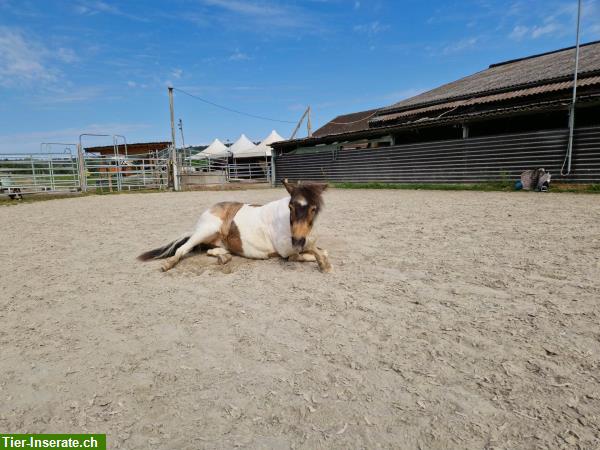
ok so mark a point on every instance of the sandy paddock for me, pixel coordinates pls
(453, 320)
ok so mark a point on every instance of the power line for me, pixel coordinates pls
(231, 109)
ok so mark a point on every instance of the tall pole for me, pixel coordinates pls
(172, 109)
(569, 155)
(300, 123)
(181, 131)
(173, 142)
(180, 126)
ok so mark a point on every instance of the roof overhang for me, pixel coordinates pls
(425, 122)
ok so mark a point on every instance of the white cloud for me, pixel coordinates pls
(19, 8)
(91, 8)
(21, 60)
(593, 31)
(556, 19)
(264, 17)
(177, 73)
(30, 142)
(66, 55)
(371, 28)
(57, 95)
(460, 45)
(239, 56)
(247, 8)
(549, 28)
(135, 84)
(519, 32)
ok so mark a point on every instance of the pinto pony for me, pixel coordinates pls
(278, 229)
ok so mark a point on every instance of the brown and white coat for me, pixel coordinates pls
(280, 228)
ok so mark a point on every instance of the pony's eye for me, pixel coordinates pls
(313, 209)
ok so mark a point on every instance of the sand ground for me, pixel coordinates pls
(453, 320)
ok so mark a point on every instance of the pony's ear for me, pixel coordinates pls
(288, 187)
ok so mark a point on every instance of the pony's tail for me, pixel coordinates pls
(164, 251)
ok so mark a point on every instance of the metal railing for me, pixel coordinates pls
(79, 171)
(38, 172)
(203, 165)
(220, 170)
(255, 171)
(209, 171)
(119, 173)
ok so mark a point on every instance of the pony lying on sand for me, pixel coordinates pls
(278, 229)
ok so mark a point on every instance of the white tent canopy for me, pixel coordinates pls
(243, 148)
(264, 148)
(215, 150)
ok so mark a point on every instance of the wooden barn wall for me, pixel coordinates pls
(491, 158)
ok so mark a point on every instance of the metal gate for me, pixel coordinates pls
(38, 172)
(208, 171)
(126, 172)
(259, 172)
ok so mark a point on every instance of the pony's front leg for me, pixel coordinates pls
(322, 258)
(302, 257)
(313, 253)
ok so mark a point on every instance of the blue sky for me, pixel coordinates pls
(68, 67)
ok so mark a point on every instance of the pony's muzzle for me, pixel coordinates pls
(299, 242)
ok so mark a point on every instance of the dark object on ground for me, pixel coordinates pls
(535, 179)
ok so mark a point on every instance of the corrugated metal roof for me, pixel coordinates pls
(133, 148)
(535, 75)
(537, 69)
(346, 123)
(387, 128)
(545, 88)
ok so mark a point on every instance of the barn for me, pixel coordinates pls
(488, 126)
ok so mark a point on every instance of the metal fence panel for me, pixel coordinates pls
(38, 172)
(206, 171)
(255, 171)
(491, 158)
(220, 171)
(120, 173)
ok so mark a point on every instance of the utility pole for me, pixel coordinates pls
(180, 125)
(308, 125)
(569, 155)
(173, 142)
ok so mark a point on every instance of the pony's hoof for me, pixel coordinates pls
(326, 268)
(165, 267)
(223, 259)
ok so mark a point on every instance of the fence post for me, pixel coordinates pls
(144, 172)
(175, 168)
(81, 169)
(51, 170)
(33, 172)
(273, 179)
